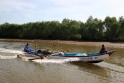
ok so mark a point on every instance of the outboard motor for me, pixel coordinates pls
(39, 51)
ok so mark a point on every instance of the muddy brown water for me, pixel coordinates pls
(14, 70)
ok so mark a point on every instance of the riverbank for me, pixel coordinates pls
(86, 43)
(107, 44)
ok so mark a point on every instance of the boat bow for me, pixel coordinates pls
(110, 52)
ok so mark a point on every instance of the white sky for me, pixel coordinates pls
(24, 11)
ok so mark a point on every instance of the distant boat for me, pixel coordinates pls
(94, 57)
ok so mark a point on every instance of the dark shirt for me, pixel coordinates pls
(103, 50)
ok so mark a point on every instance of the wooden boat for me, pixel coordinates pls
(28, 56)
(90, 57)
(34, 54)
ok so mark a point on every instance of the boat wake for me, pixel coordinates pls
(112, 67)
(10, 51)
(9, 54)
(8, 57)
(56, 60)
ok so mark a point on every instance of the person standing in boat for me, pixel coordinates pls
(103, 49)
(27, 48)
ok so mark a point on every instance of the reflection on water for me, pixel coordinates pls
(92, 68)
(117, 58)
(14, 70)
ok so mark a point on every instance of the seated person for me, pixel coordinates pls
(103, 49)
(27, 48)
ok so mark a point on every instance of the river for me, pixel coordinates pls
(15, 70)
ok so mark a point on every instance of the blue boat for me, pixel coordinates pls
(94, 57)
(90, 57)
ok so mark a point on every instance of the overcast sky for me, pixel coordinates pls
(24, 11)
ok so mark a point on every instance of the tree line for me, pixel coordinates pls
(111, 29)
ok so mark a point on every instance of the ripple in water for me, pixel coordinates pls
(8, 57)
(112, 67)
(10, 51)
(9, 54)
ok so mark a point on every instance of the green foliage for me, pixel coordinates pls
(93, 29)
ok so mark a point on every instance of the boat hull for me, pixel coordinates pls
(89, 58)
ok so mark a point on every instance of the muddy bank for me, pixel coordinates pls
(107, 44)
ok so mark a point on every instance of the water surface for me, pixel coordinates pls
(14, 70)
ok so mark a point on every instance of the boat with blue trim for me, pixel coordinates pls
(94, 57)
